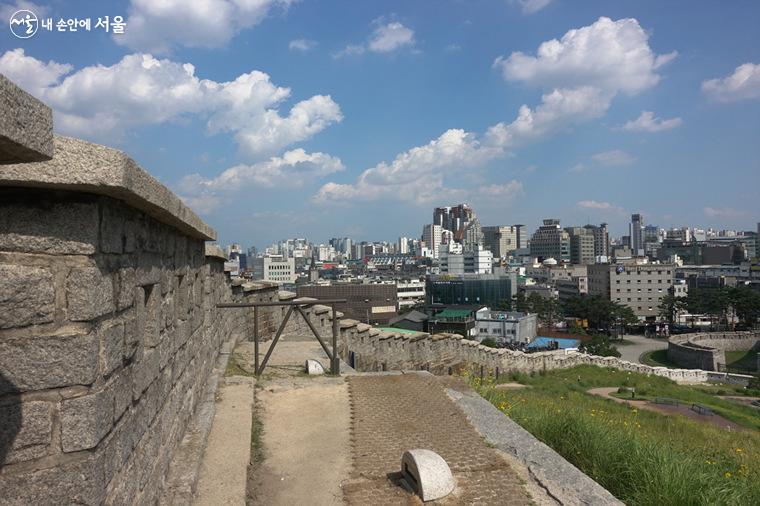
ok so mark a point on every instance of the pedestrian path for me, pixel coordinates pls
(395, 413)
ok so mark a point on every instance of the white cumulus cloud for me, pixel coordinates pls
(611, 55)
(743, 84)
(302, 44)
(647, 122)
(389, 37)
(160, 25)
(102, 102)
(386, 38)
(580, 74)
(613, 158)
(292, 169)
(533, 6)
(599, 206)
(417, 174)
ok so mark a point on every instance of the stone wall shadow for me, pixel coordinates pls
(10, 416)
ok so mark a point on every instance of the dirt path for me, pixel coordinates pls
(223, 477)
(305, 442)
(667, 410)
(306, 424)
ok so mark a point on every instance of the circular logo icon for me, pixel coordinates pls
(24, 24)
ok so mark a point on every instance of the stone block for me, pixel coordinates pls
(89, 293)
(25, 431)
(121, 386)
(78, 481)
(112, 346)
(112, 239)
(148, 268)
(35, 363)
(144, 372)
(150, 315)
(68, 227)
(27, 296)
(86, 420)
(132, 337)
(26, 126)
(125, 296)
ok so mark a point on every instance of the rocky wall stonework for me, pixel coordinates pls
(707, 350)
(108, 331)
(368, 349)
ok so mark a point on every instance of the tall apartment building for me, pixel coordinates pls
(472, 235)
(500, 240)
(521, 236)
(432, 235)
(342, 245)
(601, 239)
(550, 241)
(475, 261)
(403, 245)
(638, 286)
(581, 245)
(453, 217)
(636, 229)
(275, 268)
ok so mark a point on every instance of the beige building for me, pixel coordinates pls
(638, 286)
(275, 268)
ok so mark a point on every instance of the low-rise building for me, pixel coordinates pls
(410, 292)
(505, 326)
(486, 289)
(366, 302)
(640, 286)
(275, 268)
(474, 261)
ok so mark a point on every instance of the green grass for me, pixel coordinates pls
(257, 447)
(742, 359)
(658, 358)
(640, 456)
(235, 369)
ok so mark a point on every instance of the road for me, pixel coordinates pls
(641, 344)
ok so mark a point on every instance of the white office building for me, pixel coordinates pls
(452, 260)
(432, 235)
(276, 268)
(505, 326)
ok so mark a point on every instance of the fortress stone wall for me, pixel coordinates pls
(707, 350)
(367, 348)
(109, 330)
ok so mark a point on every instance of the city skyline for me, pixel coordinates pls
(278, 126)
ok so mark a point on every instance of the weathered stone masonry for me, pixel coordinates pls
(108, 327)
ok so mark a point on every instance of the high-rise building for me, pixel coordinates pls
(454, 218)
(521, 236)
(581, 245)
(637, 234)
(403, 245)
(472, 235)
(432, 236)
(550, 241)
(601, 240)
(500, 240)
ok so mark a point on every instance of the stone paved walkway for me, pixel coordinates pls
(394, 413)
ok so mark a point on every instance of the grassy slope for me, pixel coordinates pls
(742, 359)
(640, 456)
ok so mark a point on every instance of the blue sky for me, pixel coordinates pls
(282, 118)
